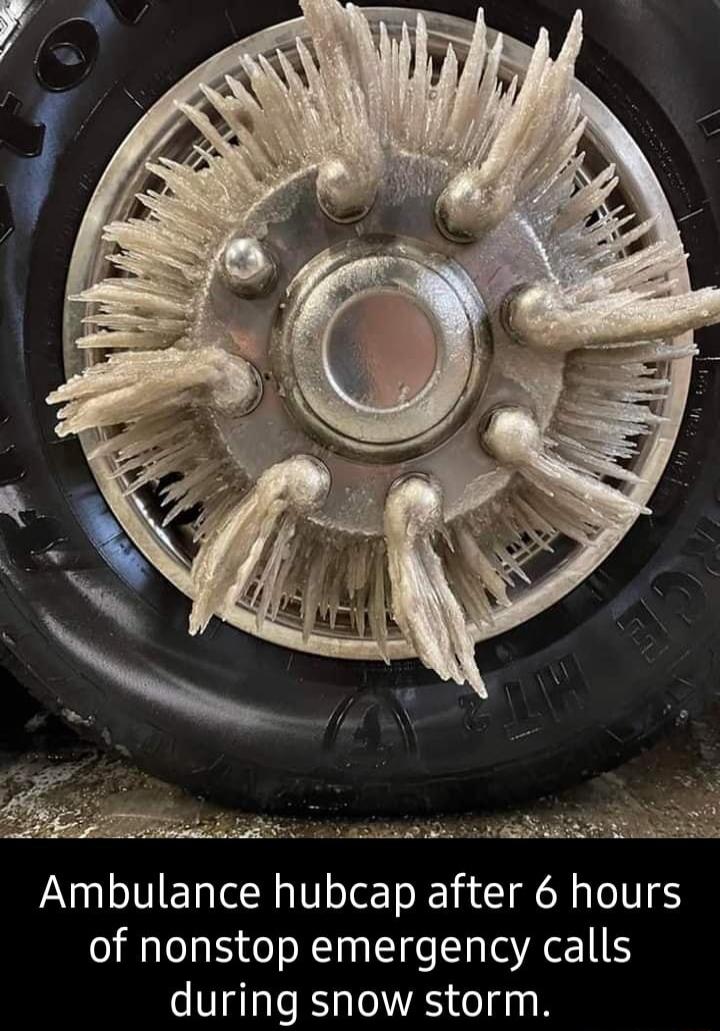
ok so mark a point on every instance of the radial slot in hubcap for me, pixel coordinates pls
(394, 335)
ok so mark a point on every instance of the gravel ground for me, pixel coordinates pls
(53, 785)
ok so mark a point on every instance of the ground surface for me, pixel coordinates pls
(54, 785)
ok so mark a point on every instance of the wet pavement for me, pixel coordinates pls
(54, 785)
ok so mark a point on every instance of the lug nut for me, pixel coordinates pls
(459, 207)
(344, 195)
(528, 313)
(248, 267)
(512, 436)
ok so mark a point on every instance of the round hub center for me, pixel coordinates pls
(381, 350)
(379, 345)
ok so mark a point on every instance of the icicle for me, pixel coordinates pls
(479, 198)
(423, 604)
(131, 385)
(545, 316)
(231, 552)
(514, 439)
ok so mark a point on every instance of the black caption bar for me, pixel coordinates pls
(617, 936)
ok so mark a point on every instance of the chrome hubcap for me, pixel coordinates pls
(416, 363)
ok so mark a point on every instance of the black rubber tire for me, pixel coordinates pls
(101, 637)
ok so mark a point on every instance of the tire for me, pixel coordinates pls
(100, 637)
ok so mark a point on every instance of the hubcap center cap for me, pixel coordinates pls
(381, 350)
(379, 343)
